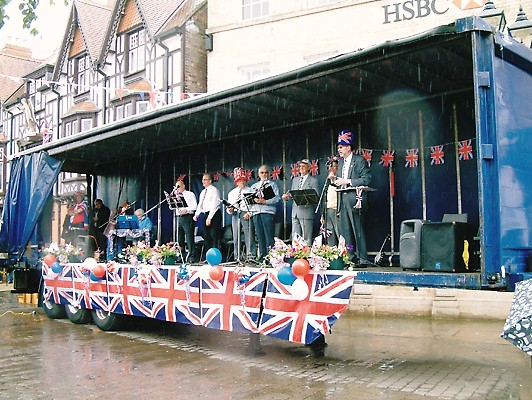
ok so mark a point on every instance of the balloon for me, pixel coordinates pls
(213, 256)
(98, 271)
(94, 278)
(49, 259)
(216, 273)
(285, 276)
(299, 289)
(56, 267)
(90, 263)
(300, 267)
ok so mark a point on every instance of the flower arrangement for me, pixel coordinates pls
(139, 251)
(168, 250)
(156, 255)
(64, 253)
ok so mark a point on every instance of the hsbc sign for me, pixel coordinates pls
(410, 9)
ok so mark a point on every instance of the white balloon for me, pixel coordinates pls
(299, 289)
(90, 263)
(51, 274)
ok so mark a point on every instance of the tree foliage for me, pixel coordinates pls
(28, 10)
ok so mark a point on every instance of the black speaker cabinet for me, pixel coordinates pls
(442, 246)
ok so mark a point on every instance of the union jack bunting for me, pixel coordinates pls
(277, 172)
(465, 150)
(314, 168)
(325, 232)
(304, 321)
(294, 170)
(224, 307)
(229, 174)
(181, 177)
(366, 154)
(412, 158)
(358, 204)
(85, 292)
(437, 155)
(216, 176)
(387, 158)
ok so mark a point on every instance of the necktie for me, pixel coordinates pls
(301, 183)
(239, 198)
(204, 192)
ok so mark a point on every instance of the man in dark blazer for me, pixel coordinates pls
(353, 173)
(303, 216)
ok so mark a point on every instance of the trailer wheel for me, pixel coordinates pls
(78, 315)
(107, 321)
(54, 311)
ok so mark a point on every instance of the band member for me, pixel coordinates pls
(185, 222)
(100, 218)
(144, 221)
(353, 172)
(329, 215)
(240, 211)
(209, 206)
(303, 216)
(264, 210)
(77, 220)
(115, 244)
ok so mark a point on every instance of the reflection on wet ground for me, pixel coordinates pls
(366, 358)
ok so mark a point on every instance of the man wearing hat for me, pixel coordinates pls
(240, 210)
(77, 220)
(303, 216)
(353, 172)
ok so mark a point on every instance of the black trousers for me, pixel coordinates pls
(185, 233)
(211, 234)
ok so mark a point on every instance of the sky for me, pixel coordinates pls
(51, 24)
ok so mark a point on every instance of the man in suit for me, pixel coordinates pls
(353, 173)
(303, 216)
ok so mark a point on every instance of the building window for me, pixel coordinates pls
(252, 9)
(86, 124)
(142, 106)
(136, 51)
(119, 113)
(82, 73)
(128, 110)
(316, 3)
(253, 72)
(68, 129)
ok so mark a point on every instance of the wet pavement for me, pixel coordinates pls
(366, 358)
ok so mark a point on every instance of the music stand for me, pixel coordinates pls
(305, 197)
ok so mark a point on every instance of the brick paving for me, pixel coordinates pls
(367, 358)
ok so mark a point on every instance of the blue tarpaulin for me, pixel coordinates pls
(30, 184)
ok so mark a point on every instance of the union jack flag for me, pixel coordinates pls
(437, 155)
(465, 150)
(366, 154)
(412, 158)
(277, 172)
(314, 168)
(57, 287)
(387, 158)
(226, 305)
(303, 321)
(85, 292)
(358, 204)
(229, 173)
(330, 159)
(345, 136)
(181, 177)
(216, 176)
(294, 170)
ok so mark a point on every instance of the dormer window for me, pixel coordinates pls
(136, 51)
(79, 72)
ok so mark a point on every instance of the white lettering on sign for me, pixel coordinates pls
(410, 9)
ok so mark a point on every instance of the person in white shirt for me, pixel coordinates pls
(185, 222)
(209, 206)
(240, 211)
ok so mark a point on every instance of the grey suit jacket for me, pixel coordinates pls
(304, 212)
(359, 175)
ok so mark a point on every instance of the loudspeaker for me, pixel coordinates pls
(442, 246)
(410, 244)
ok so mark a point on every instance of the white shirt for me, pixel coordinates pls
(192, 204)
(209, 201)
(236, 198)
(345, 168)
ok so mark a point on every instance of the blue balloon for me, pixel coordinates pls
(56, 267)
(213, 256)
(286, 276)
(95, 278)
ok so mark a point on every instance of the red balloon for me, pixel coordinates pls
(49, 259)
(216, 273)
(300, 267)
(98, 271)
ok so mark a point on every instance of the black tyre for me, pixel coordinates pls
(54, 311)
(78, 315)
(107, 321)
